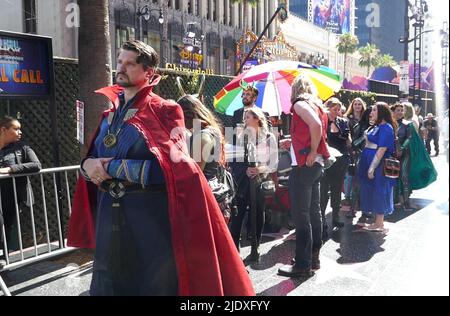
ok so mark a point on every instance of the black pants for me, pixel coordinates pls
(331, 186)
(435, 139)
(243, 203)
(304, 191)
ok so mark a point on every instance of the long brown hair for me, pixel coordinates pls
(351, 110)
(194, 109)
(261, 117)
(385, 113)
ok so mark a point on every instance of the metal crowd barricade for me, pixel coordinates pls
(49, 206)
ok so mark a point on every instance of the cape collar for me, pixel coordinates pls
(112, 92)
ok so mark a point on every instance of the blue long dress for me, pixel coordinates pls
(377, 195)
(154, 273)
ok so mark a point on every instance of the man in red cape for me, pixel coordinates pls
(206, 260)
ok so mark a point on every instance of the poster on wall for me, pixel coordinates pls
(332, 15)
(249, 64)
(26, 66)
(404, 77)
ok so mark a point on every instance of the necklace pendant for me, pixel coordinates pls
(110, 140)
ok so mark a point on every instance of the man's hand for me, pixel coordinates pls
(311, 159)
(6, 170)
(96, 169)
(399, 153)
(371, 174)
(252, 172)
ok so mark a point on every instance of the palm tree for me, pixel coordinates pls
(369, 54)
(348, 44)
(94, 49)
(246, 3)
(385, 60)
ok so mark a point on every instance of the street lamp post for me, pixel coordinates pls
(419, 9)
(281, 10)
(145, 12)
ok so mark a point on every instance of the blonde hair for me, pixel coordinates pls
(351, 110)
(303, 89)
(410, 114)
(332, 102)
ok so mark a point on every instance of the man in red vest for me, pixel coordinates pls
(144, 204)
(309, 152)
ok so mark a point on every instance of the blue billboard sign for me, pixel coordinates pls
(333, 15)
(26, 66)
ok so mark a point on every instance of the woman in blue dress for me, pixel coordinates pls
(376, 190)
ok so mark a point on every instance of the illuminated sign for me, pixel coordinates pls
(26, 66)
(195, 71)
(191, 59)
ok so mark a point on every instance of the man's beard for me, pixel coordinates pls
(247, 103)
(125, 83)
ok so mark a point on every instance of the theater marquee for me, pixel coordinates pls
(26, 66)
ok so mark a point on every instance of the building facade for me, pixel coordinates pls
(43, 17)
(313, 41)
(215, 26)
(381, 22)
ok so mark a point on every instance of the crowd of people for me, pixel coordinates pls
(149, 199)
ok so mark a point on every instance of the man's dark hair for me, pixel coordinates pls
(252, 90)
(147, 56)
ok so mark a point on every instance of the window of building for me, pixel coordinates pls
(190, 6)
(214, 9)
(177, 5)
(30, 18)
(208, 9)
(241, 14)
(231, 8)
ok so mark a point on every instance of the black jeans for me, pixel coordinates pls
(304, 191)
(435, 139)
(243, 203)
(332, 182)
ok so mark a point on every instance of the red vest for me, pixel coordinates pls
(301, 137)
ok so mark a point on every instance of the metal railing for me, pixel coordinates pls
(46, 211)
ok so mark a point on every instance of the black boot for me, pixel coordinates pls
(335, 220)
(325, 236)
(315, 261)
(295, 272)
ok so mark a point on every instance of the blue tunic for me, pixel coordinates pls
(147, 218)
(376, 195)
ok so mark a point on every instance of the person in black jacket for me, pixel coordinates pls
(338, 137)
(16, 157)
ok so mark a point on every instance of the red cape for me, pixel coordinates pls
(207, 260)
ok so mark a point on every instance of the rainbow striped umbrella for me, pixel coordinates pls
(274, 81)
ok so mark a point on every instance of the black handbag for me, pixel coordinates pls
(268, 188)
(224, 189)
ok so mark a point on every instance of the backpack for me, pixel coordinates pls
(224, 190)
(223, 187)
